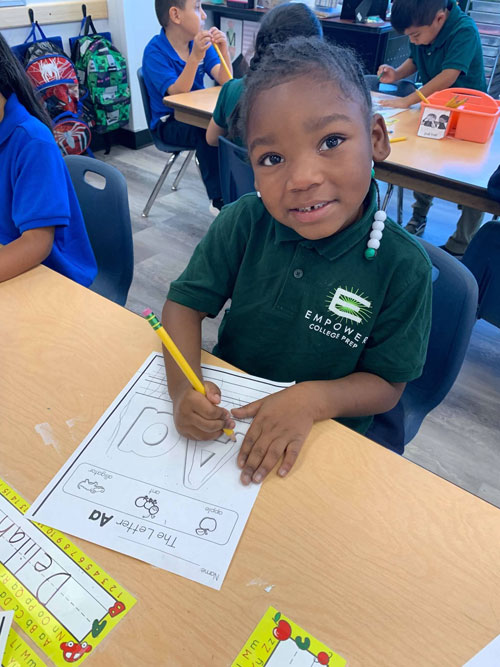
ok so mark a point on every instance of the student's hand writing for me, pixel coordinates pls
(219, 38)
(281, 424)
(201, 43)
(387, 74)
(200, 417)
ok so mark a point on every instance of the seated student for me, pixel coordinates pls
(445, 50)
(175, 61)
(279, 24)
(40, 219)
(322, 291)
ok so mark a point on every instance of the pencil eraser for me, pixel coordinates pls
(147, 312)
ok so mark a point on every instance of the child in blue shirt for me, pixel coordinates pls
(324, 290)
(40, 219)
(175, 61)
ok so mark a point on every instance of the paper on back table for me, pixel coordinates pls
(136, 486)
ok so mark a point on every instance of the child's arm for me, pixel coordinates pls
(218, 71)
(444, 79)
(214, 131)
(184, 82)
(282, 421)
(195, 416)
(26, 252)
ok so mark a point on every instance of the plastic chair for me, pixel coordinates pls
(453, 317)
(482, 257)
(161, 146)
(235, 171)
(107, 219)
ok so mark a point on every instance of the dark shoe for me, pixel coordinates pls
(416, 227)
(458, 255)
(216, 205)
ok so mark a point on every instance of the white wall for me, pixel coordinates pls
(64, 30)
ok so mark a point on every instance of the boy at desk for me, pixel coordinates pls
(175, 61)
(445, 50)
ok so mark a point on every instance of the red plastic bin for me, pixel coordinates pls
(475, 120)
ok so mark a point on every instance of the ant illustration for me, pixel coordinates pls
(149, 504)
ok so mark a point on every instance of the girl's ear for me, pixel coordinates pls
(380, 139)
(174, 15)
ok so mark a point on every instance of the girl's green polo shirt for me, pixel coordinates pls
(311, 310)
(457, 46)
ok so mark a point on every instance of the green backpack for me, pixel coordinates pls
(102, 70)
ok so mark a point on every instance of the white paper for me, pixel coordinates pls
(5, 623)
(488, 657)
(386, 112)
(136, 486)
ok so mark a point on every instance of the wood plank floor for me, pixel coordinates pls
(459, 440)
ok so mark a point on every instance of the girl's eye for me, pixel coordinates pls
(270, 160)
(331, 142)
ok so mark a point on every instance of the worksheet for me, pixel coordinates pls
(386, 112)
(5, 623)
(136, 486)
(60, 597)
(489, 656)
(279, 642)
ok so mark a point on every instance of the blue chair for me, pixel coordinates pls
(453, 317)
(482, 257)
(161, 146)
(107, 219)
(235, 171)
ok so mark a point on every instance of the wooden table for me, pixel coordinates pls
(383, 561)
(454, 170)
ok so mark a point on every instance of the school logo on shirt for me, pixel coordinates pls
(349, 305)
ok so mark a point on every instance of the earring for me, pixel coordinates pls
(376, 234)
(259, 195)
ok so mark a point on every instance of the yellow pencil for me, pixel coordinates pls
(222, 61)
(394, 140)
(179, 359)
(422, 96)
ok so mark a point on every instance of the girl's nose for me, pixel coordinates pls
(304, 174)
(202, 14)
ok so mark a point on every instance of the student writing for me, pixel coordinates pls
(279, 24)
(322, 291)
(40, 219)
(175, 61)
(445, 50)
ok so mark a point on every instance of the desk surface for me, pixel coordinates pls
(383, 561)
(447, 162)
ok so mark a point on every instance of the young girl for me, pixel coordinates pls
(278, 25)
(40, 219)
(324, 290)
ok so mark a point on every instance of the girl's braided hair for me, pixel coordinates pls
(300, 56)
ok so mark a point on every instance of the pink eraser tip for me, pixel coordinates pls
(147, 312)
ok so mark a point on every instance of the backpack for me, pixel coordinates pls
(102, 70)
(53, 76)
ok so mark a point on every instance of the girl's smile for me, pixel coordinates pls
(312, 160)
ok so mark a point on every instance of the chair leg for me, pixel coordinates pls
(401, 193)
(182, 170)
(387, 196)
(170, 163)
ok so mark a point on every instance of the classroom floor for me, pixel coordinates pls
(459, 440)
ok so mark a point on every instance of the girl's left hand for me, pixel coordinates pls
(395, 102)
(281, 424)
(218, 37)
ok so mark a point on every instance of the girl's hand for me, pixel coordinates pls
(199, 417)
(201, 43)
(219, 38)
(387, 74)
(281, 424)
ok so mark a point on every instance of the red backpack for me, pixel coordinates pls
(53, 75)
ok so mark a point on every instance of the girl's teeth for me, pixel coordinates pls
(311, 208)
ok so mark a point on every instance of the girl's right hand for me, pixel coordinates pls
(201, 43)
(387, 74)
(200, 417)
